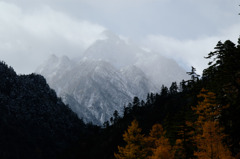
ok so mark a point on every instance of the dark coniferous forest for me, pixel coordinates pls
(198, 118)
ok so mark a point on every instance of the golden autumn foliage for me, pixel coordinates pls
(154, 146)
(208, 134)
(135, 148)
(205, 133)
(207, 109)
(161, 148)
(179, 149)
(162, 152)
(155, 134)
(209, 143)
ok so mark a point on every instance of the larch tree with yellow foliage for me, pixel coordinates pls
(153, 146)
(208, 134)
(210, 144)
(207, 109)
(135, 148)
(160, 146)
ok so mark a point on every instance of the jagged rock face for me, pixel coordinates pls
(137, 81)
(99, 87)
(94, 88)
(107, 77)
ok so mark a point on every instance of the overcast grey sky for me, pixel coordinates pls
(186, 30)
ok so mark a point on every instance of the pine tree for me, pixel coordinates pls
(164, 91)
(116, 117)
(194, 75)
(183, 145)
(183, 86)
(136, 103)
(173, 88)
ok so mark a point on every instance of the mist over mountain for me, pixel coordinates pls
(114, 50)
(107, 76)
(121, 53)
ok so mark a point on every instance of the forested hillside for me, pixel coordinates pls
(34, 122)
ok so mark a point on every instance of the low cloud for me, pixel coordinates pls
(28, 38)
(190, 52)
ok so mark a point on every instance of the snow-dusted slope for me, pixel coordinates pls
(137, 81)
(107, 76)
(94, 88)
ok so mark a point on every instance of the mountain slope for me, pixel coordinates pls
(94, 88)
(137, 81)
